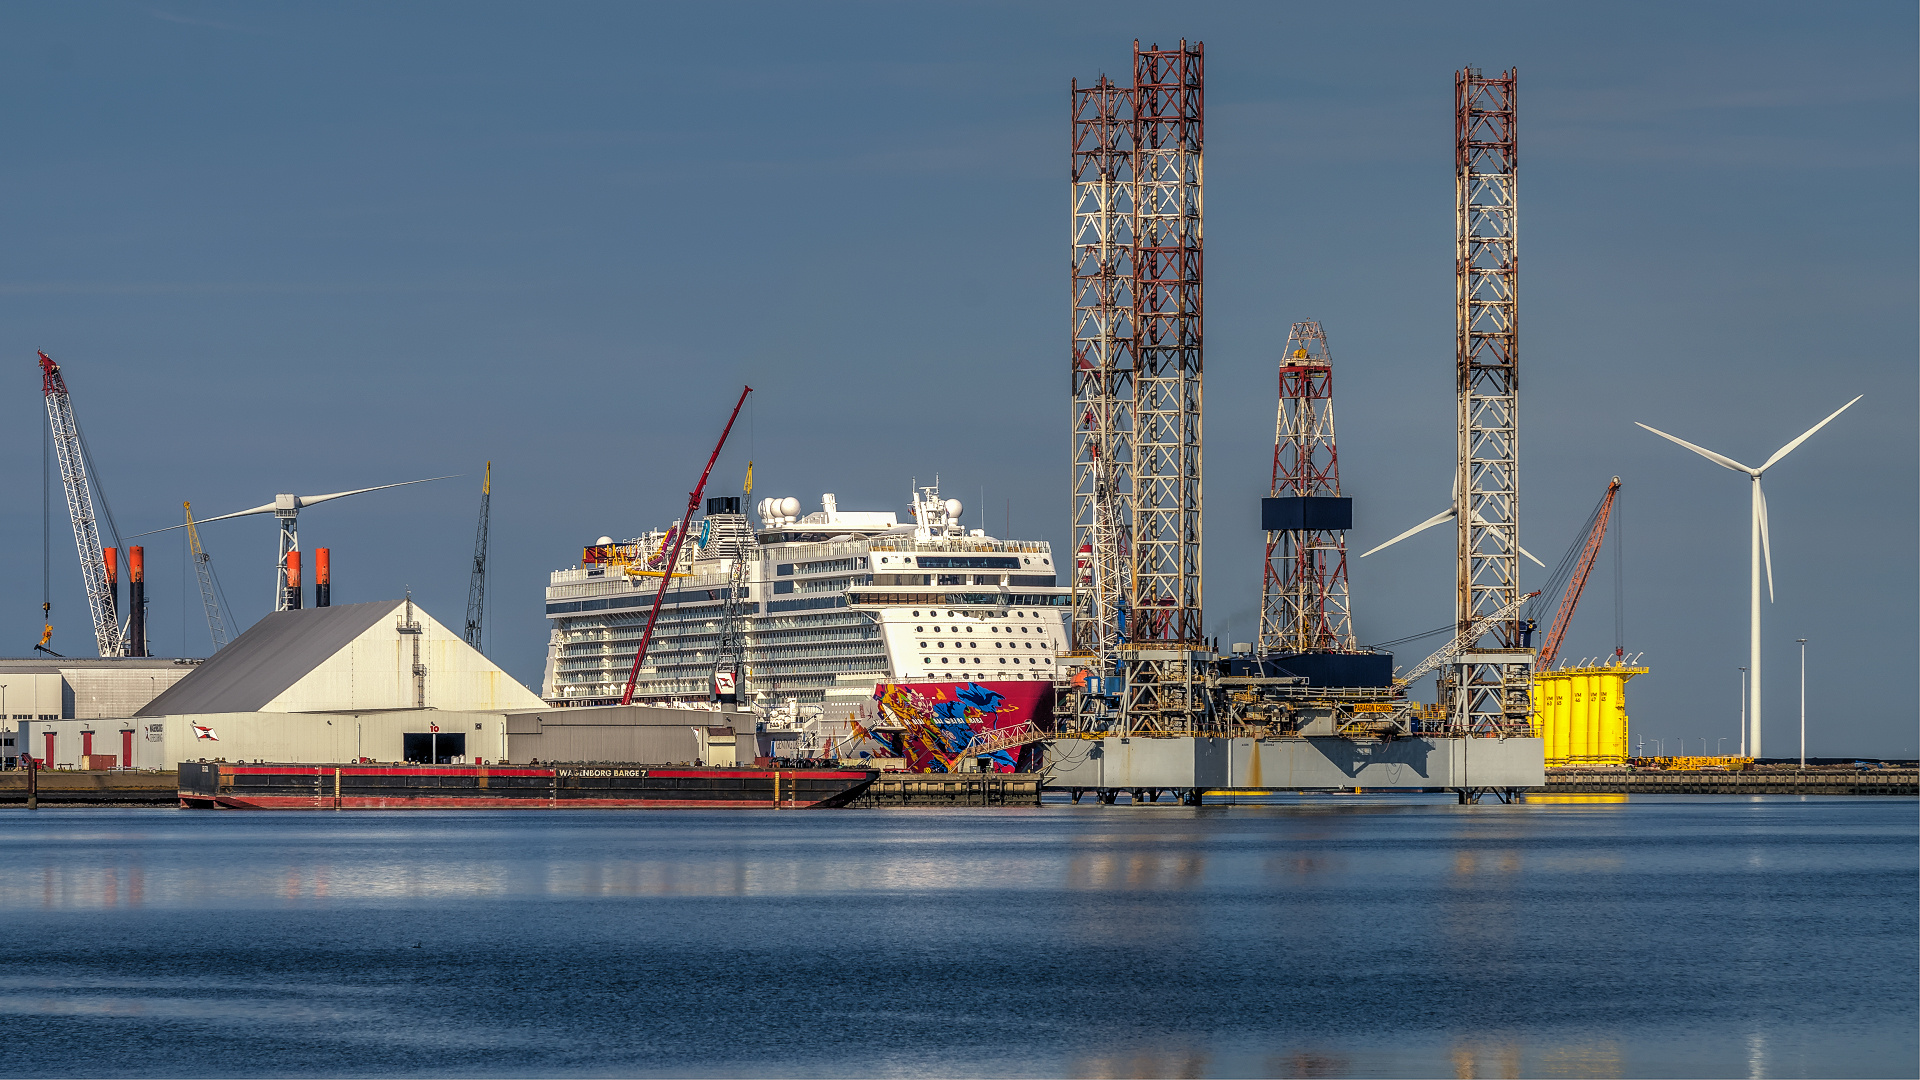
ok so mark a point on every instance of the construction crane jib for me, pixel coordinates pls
(477, 582)
(673, 557)
(1577, 583)
(203, 570)
(1463, 641)
(86, 532)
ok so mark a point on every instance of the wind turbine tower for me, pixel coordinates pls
(1761, 553)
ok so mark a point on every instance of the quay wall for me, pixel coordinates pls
(1620, 782)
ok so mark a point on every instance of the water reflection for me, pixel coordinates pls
(1143, 1064)
(1135, 870)
(1408, 939)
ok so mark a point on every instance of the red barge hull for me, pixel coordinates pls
(268, 786)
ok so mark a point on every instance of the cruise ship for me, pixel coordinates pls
(841, 615)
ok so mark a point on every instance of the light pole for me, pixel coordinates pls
(1743, 712)
(1803, 702)
(1720, 748)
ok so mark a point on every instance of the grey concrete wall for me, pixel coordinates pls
(1295, 763)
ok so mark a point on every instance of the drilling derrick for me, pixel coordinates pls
(1163, 631)
(1304, 601)
(1487, 691)
(1103, 367)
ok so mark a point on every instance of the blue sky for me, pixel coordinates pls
(307, 248)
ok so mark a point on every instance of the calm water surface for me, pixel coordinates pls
(1309, 937)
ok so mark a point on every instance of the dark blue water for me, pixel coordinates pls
(1325, 937)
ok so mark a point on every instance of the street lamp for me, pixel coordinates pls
(1720, 748)
(1803, 702)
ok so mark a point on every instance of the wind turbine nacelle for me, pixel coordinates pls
(1310, 513)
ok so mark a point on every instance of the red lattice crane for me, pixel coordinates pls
(673, 557)
(1589, 551)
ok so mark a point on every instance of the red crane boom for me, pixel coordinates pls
(1571, 598)
(673, 557)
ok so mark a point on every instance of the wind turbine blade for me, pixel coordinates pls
(1788, 449)
(1529, 555)
(1717, 459)
(1766, 545)
(309, 500)
(1436, 519)
(267, 509)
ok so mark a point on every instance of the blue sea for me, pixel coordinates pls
(1314, 936)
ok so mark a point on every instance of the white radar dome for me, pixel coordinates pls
(603, 541)
(760, 508)
(953, 509)
(790, 506)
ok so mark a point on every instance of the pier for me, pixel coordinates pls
(953, 789)
(1825, 781)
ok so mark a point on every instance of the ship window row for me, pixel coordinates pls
(826, 566)
(1034, 661)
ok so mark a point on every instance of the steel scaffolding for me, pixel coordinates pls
(1163, 687)
(1103, 367)
(1304, 605)
(1488, 690)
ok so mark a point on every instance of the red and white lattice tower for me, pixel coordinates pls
(1164, 686)
(1304, 604)
(1489, 690)
(1103, 367)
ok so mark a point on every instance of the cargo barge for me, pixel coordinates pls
(271, 786)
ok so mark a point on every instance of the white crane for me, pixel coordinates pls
(70, 449)
(287, 508)
(1762, 551)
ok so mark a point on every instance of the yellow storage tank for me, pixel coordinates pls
(1581, 712)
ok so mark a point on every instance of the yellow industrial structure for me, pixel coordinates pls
(1581, 712)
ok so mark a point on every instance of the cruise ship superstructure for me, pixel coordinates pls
(836, 603)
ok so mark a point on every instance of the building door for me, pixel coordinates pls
(433, 747)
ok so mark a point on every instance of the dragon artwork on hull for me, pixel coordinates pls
(940, 719)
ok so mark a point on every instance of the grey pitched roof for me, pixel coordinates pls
(271, 656)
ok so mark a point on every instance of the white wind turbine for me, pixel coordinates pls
(1449, 514)
(1762, 551)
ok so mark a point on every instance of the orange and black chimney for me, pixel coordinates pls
(112, 557)
(136, 601)
(322, 585)
(293, 581)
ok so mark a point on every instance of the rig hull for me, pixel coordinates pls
(220, 785)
